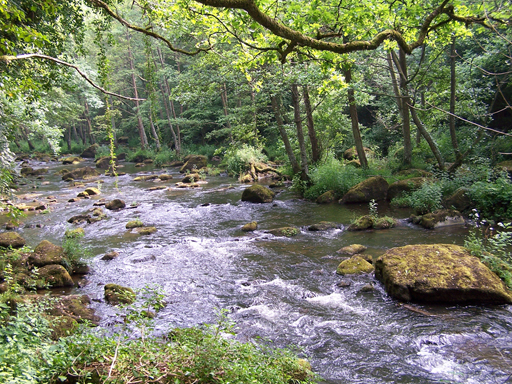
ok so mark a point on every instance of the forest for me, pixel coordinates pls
(321, 95)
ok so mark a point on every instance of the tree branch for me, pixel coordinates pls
(101, 4)
(8, 59)
(281, 30)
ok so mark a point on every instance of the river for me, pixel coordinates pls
(282, 291)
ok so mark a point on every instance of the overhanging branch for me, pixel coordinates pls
(8, 59)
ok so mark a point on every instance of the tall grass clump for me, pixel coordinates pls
(333, 175)
(238, 160)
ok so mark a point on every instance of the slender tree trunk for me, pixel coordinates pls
(24, 132)
(300, 133)
(89, 125)
(154, 133)
(168, 104)
(315, 148)
(284, 136)
(224, 98)
(77, 138)
(81, 131)
(140, 125)
(453, 88)
(113, 123)
(401, 64)
(355, 121)
(68, 138)
(428, 138)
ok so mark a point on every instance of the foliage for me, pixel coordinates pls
(426, 199)
(493, 198)
(491, 243)
(239, 160)
(74, 250)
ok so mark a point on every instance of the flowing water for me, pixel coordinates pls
(279, 290)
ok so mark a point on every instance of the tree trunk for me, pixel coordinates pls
(24, 132)
(224, 98)
(453, 88)
(401, 64)
(140, 125)
(284, 136)
(300, 133)
(315, 148)
(89, 125)
(153, 132)
(68, 138)
(355, 121)
(428, 138)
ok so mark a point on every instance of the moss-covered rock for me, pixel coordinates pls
(258, 194)
(80, 173)
(400, 187)
(413, 172)
(28, 171)
(444, 273)
(103, 162)
(134, 224)
(459, 200)
(110, 256)
(354, 265)
(76, 307)
(249, 227)
(374, 188)
(384, 222)
(194, 162)
(55, 276)
(442, 218)
(351, 153)
(146, 178)
(351, 250)
(91, 191)
(71, 160)
(74, 233)
(11, 239)
(165, 177)
(90, 151)
(190, 178)
(145, 230)
(322, 226)
(368, 221)
(47, 253)
(117, 294)
(326, 198)
(284, 231)
(115, 204)
(78, 219)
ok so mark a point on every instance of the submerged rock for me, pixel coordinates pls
(249, 227)
(352, 249)
(284, 231)
(115, 204)
(116, 294)
(110, 256)
(322, 226)
(374, 188)
(11, 239)
(145, 230)
(443, 273)
(354, 265)
(258, 194)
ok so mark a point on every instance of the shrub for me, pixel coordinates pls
(426, 199)
(238, 160)
(165, 155)
(493, 199)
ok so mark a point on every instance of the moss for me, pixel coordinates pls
(249, 227)
(258, 194)
(11, 239)
(384, 222)
(285, 231)
(116, 294)
(145, 230)
(352, 249)
(74, 233)
(436, 218)
(327, 197)
(354, 265)
(374, 188)
(134, 224)
(363, 222)
(55, 276)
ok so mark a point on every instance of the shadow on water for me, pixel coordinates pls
(280, 290)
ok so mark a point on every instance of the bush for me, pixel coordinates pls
(238, 160)
(165, 156)
(493, 199)
(426, 199)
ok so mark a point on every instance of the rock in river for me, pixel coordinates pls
(115, 204)
(439, 273)
(374, 188)
(115, 294)
(258, 194)
(354, 265)
(11, 239)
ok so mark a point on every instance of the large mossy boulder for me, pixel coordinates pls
(374, 188)
(90, 151)
(55, 276)
(441, 218)
(117, 294)
(258, 194)
(354, 266)
(443, 273)
(11, 239)
(284, 231)
(80, 173)
(47, 253)
(194, 162)
(400, 187)
(326, 198)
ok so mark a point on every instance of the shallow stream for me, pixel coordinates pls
(280, 290)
